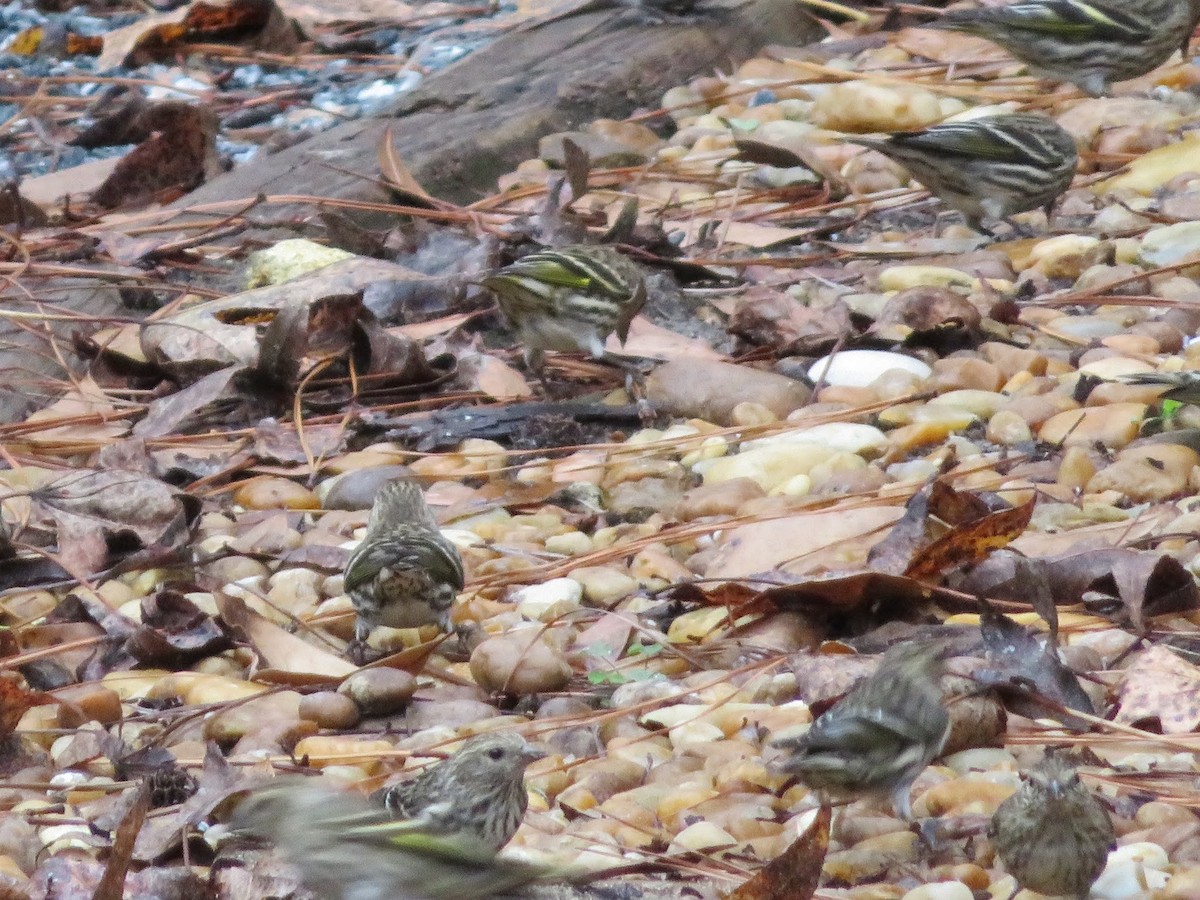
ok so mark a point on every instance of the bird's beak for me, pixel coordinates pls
(532, 753)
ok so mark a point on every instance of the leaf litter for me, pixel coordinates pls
(670, 594)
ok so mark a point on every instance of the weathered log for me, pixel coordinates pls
(479, 118)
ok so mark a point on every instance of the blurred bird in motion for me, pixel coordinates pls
(570, 299)
(1052, 835)
(879, 737)
(404, 573)
(1182, 387)
(987, 167)
(343, 847)
(1087, 43)
(479, 792)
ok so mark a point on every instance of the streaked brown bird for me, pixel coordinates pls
(478, 792)
(404, 573)
(879, 737)
(1087, 43)
(343, 847)
(569, 299)
(1052, 835)
(988, 167)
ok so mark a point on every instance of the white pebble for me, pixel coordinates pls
(1133, 871)
(858, 368)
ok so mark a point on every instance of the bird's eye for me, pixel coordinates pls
(496, 753)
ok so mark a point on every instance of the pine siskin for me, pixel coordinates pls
(569, 299)
(881, 735)
(1052, 835)
(479, 791)
(1182, 387)
(1088, 44)
(992, 166)
(345, 848)
(404, 573)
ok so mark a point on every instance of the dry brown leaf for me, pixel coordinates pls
(86, 401)
(1159, 685)
(279, 650)
(494, 377)
(653, 341)
(967, 544)
(795, 873)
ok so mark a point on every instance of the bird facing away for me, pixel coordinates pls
(1087, 44)
(343, 847)
(404, 573)
(879, 737)
(479, 791)
(570, 299)
(1052, 835)
(988, 167)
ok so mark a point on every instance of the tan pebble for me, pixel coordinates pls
(25, 606)
(268, 492)
(724, 498)
(1166, 337)
(760, 68)
(323, 750)
(370, 458)
(330, 710)
(1110, 426)
(228, 569)
(520, 662)
(1132, 344)
(711, 390)
(921, 434)
(1112, 366)
(966, 795)
(681, 799)
(1008, 429)
(578, 798)
(697, 624)
(862, 106)
(1011, 360)
(89, 702)
(1183, 885)
(1114, 392)
(656, 563)
(1040, 408)
(603, 585)
(748, 413)
(630, 134)
(701, 837)
(965, 373)
(871, 857)
(973, 876)
(1158, 812)
(1064, 256)
(297, 591)
(133, 685)
(847, 395)
(1148, 473)
(261, 713)
(195, 689)
(1076, 468)
(379, 691)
